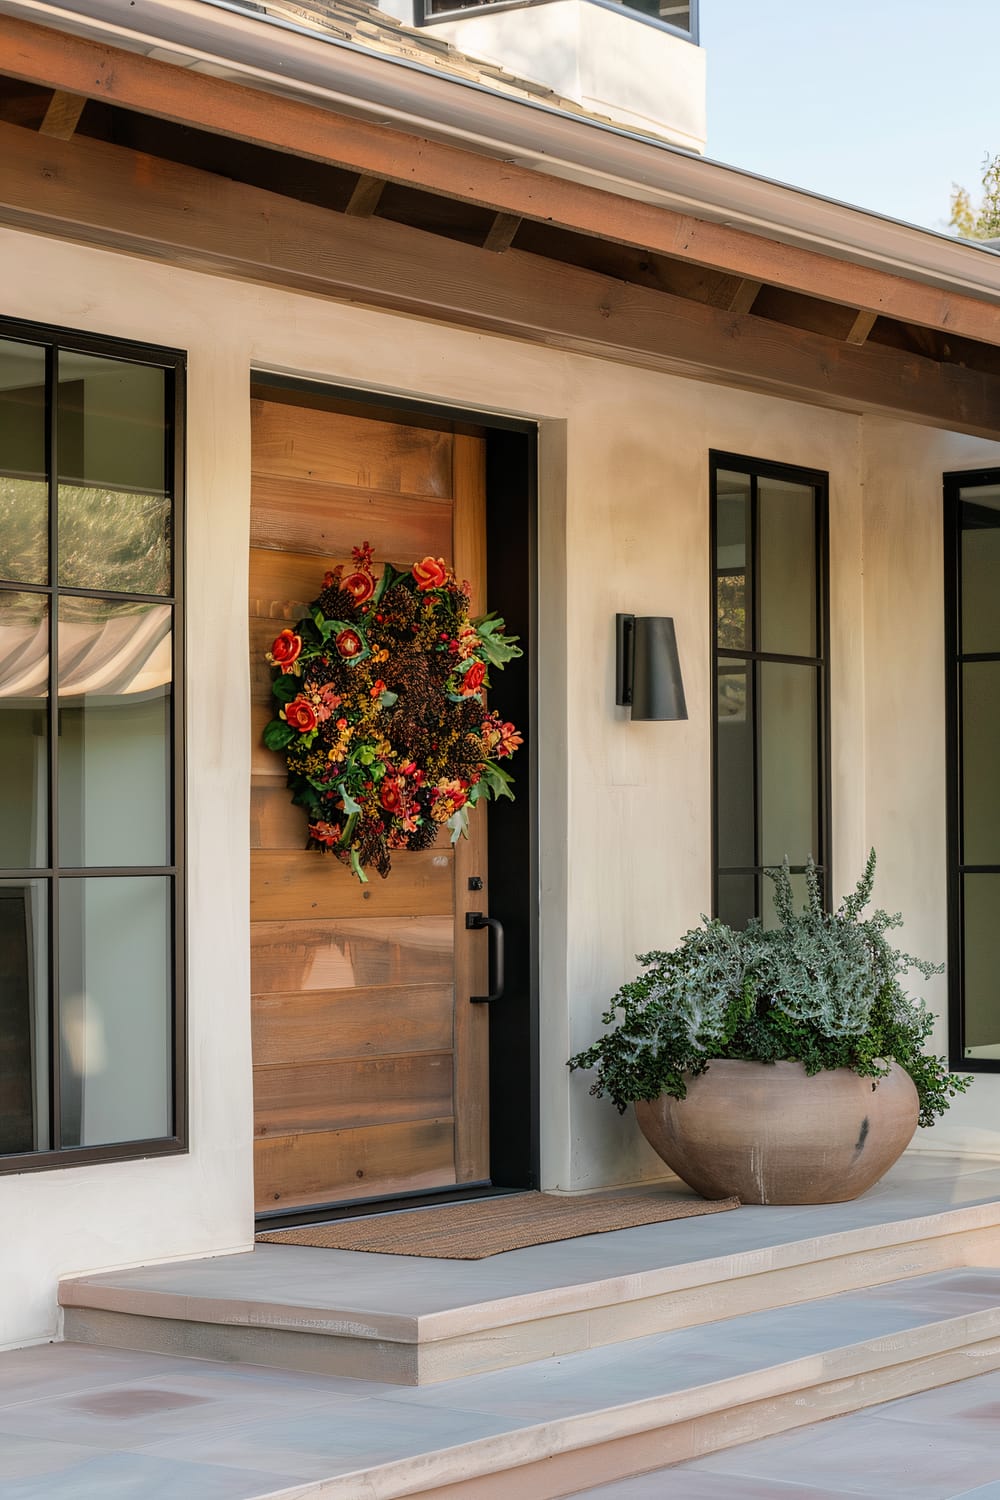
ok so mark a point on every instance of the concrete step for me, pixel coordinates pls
(413, 1321)
(559, 1425)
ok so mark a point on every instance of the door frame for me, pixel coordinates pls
(513, 864)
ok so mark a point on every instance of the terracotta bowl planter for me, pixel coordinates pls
(769, 1134)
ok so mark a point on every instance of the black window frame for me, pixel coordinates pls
(756, 469)
(955, 659)
(423, 16)
(173, 362)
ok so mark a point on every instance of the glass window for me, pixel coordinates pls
(972, 592)
(682, 18)
(768, 587)
(89, 1002)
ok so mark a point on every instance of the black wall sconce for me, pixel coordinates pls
(647, 668)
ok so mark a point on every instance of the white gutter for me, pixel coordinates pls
(268, 53)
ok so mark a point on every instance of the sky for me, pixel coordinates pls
(881, 103)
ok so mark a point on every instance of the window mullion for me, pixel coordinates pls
(55, 1029)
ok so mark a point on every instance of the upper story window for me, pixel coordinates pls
(680, 18)
(771, 728)
(90, 808)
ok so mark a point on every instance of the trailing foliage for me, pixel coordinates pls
(822, 988)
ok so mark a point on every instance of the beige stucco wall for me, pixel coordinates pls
(625, 807)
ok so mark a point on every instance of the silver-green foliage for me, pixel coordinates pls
(824, 988)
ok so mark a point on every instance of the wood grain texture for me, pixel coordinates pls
(305, 443)
(327, 520)
(58, 60)
(291, 1170)
(289, 884)
(352, 1093)
(306, 1027)
(335, 955)
(275, 823)
(105, 195)
(472, 1022)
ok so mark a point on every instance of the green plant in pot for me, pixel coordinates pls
(784, 1065)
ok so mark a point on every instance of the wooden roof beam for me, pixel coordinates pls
(59, 60)
(63, 115)
(861, 327)
(98, 194)
(364, 199)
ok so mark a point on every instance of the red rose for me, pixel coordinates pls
(360, 586)
(300, 715)
(390, 796)
(285, 650)
(473, 679)
(348, 643)
(429, 574)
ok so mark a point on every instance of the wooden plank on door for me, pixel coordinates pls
(275, 821)
(351, 1092)
(374, 1022)
(328, 520)
(298, 442)
(335, 955)
(292, 1170)
(287, 884)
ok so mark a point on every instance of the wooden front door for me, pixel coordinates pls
(370, 1063)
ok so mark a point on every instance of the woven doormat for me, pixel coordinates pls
(489, 1226)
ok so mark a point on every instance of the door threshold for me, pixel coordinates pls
(364, 1208)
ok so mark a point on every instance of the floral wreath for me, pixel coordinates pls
(381, 715)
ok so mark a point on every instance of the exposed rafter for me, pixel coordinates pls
(88, 191)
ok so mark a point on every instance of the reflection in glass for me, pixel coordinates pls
(735, 765)
(114, 512)
(24, 1017)
(789, 755)
(114, 1008)
(981, 785)
(979, 522)
(23, 474)
(114, 744)
(787, 539)
(24, 688)
(982, 962)
(737, 899)
(732, 548)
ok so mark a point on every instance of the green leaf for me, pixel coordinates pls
(498, 780)
(459, 824)
(351, 808)
(383, 584)
(285, 688)
(497, 648)
(323, 625)
(277, 735)
(356, 867)
(387, 699)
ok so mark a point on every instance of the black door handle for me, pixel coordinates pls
(474, 920)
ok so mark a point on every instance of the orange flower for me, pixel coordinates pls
(447, 797)
(473, 679)
(377, 688)
(348, 643)
(325, 833)
(429, 574)
(511, 739)
(285, 651)
(390, 795)
(300, 715)
(360, 586)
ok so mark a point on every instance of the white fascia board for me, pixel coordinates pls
(272, 54)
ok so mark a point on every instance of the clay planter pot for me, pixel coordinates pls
(769, 1134)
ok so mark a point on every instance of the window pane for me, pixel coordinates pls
(114, 743)
(24, 509)
(789, 757)
(982, 965)
(24, 689)
(787, 528)
(115, 1011)
(24, 1017)
(732, 548)
(981, 784)
(979, 522)
(734, 765)
(737, 899)
(114, 512)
